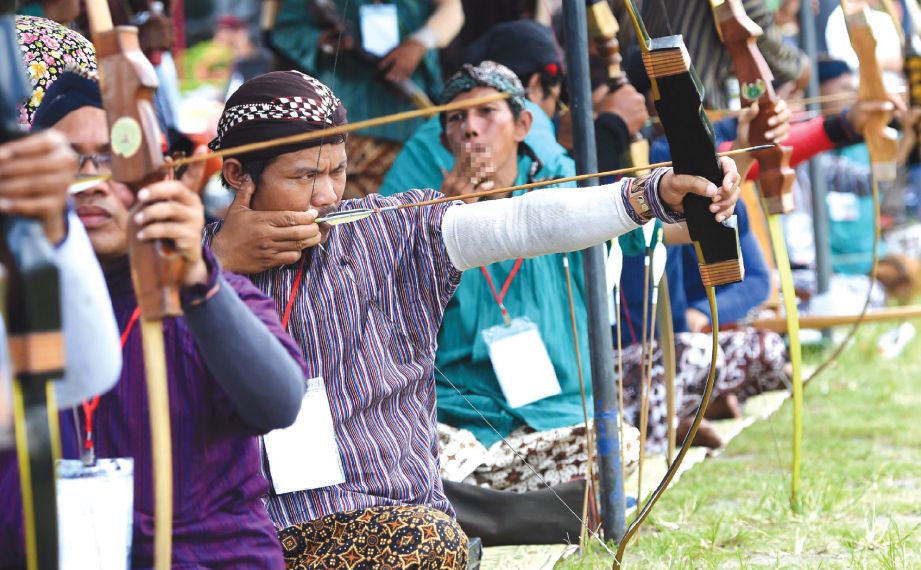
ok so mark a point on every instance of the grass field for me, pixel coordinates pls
(860, 490)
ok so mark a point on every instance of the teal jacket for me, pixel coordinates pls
(296, 36)
(538, 292)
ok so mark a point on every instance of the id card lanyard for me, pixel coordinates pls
(89, 406)
(500, 296)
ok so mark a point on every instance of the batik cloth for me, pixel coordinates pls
(369, 160)
(486, 74)
(49, 49)
(748, 363)
(752, 362)
(526, 460)
(378, 538)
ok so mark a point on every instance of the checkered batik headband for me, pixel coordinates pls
(316, 109)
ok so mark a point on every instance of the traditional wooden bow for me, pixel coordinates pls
(128, 82)
(913, 62)
(678, 99)
(739, 34)
(33, 323)
(881, 140)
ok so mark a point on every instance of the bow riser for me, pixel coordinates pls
(128, 82)
(678, 97)
(740, 35)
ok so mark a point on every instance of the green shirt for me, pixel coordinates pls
(296, 35)
(538, 292)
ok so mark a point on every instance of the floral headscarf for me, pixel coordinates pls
(49, 49)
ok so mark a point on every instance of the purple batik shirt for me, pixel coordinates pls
(219, 520)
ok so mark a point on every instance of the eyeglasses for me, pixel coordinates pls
(101, 162)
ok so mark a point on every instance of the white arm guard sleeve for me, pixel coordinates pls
(542, 222)
(91, 343)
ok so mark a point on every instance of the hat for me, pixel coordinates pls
(486, 74)
(524, 46)
(69, 92)
(832, 69)
(49, 49)
(276, 105)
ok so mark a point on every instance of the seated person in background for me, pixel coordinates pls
(228, 336)
(335, 41)
(530, 52)
(533, 288)
(366, 301)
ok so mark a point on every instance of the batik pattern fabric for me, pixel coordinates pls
(49, 49)
(526, 460)
(369, 161)
(692, 358)
(751, 362)
(378, 538)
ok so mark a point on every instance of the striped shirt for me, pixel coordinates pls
(367, 315)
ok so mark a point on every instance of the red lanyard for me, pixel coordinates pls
(293, 295)
(500, 297)
(90, 406)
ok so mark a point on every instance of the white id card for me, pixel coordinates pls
(305, 455)
(521, 363)
(95, 514)
(380, 28)
(842, 206)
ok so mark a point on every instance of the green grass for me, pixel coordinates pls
(860, 488)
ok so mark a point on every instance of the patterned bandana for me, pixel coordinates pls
(50, 49)
(275, 105)
(486, 74)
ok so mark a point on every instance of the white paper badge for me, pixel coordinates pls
(842, 206)
(305, 455)
(380, 28)
(521, 363)
(95, 513)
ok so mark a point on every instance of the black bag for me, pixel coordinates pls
(506, 518)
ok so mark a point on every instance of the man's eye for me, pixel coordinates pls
(453, 117)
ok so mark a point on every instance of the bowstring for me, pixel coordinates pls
(476, 410)
(332, 88)
(531, 468)
(505, 441)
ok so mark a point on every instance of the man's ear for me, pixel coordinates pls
(523, 125)
(232, 170)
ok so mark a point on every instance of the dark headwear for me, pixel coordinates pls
(69, 92)
(275, 105)
(524, 46)
(832, 69)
